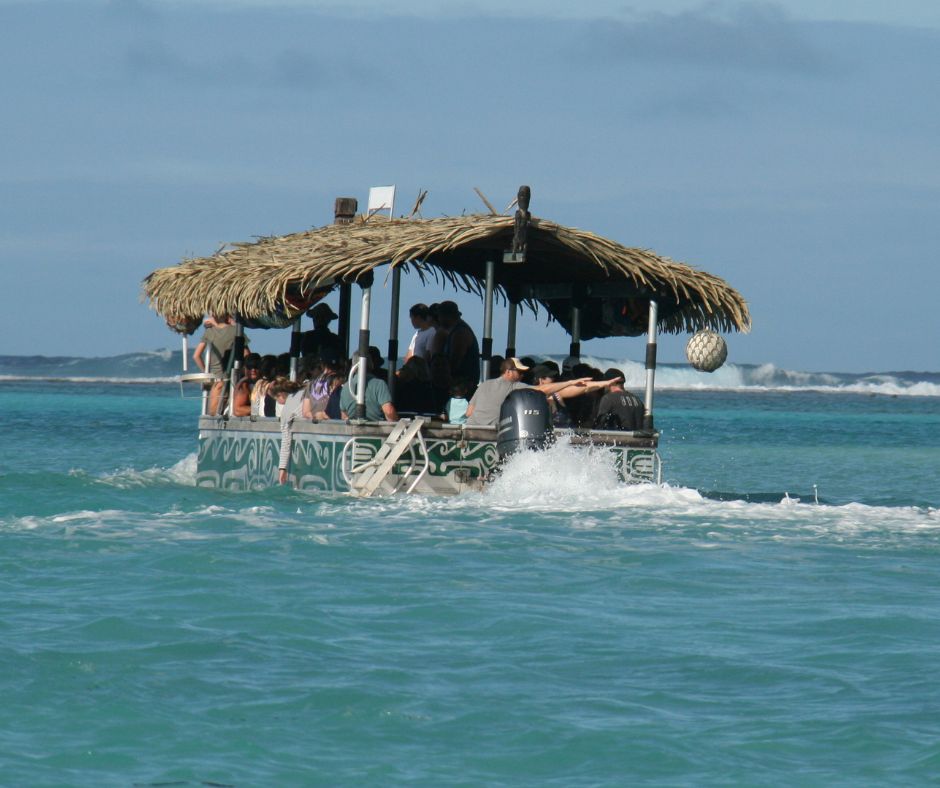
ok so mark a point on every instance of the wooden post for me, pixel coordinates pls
(344, 212)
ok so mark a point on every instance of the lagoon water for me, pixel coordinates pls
(769, 616)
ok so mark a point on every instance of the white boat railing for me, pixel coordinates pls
(205, 379)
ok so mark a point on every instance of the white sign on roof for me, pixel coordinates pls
(381, 198)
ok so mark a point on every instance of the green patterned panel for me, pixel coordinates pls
(247, 460)
(237, 460)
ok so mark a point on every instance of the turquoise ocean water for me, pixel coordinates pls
(556, 630)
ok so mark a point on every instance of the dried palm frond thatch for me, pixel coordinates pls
(273, 275)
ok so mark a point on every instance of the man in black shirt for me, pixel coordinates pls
(618, 409)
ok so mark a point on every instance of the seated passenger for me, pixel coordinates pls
(558, 401)
(483, 410)
(413, 392)
(378, 399)
(242, 396)
(496, 364)
(440, 380)
(619, 409)
(378, 363)
(455, 411)
(308, 369)
(321, 387)
(529, 362)
(333, 409)
(262, 403)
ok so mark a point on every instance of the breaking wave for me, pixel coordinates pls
(163, 367)
(768, 377)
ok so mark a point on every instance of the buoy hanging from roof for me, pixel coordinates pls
(706, 350)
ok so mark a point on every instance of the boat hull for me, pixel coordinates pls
(243, 454)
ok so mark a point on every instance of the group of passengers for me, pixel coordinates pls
(438, 378)
(579, 396)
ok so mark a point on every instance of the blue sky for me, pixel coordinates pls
(789, 147)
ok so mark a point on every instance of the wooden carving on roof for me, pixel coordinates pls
(520, 234)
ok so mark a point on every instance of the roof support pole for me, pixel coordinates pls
(362, 367)
(487, 345)
(511, 330)
(650, 365)
(344, 212)
(235, 364)
(574, 349)
(393, 329)
(185, 354)
(295, 340)
(206, 392)
(345, 318)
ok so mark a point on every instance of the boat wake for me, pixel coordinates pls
(578, 488)
(547, 496)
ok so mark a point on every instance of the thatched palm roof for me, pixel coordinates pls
(273, 275)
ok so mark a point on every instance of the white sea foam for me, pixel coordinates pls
(564, 505)
(183, 472)
(581, 486)
(173, 525)
(89, 379)
(764, 378)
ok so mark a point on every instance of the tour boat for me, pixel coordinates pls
(593, 287)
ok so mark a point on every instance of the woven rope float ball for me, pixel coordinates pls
(706, 351)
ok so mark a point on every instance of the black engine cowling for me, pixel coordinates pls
(525, 422)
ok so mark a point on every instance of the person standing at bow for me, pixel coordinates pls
(218, 339)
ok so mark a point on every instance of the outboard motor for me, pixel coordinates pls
(525, 422)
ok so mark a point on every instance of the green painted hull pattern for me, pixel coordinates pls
(234, 459)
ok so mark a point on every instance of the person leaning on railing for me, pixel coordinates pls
(290, 395)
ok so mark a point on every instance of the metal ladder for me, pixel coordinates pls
(366, 479)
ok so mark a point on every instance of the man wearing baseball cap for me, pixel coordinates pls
(483, 410)
(320, 339)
